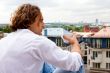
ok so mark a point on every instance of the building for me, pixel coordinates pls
(98, 50)
(55, 35)
(88, 28)
(83, 44)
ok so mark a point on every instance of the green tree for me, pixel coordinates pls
(68, 27)
(6, 29)
(79, 29)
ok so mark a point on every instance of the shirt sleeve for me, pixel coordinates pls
(54, 55)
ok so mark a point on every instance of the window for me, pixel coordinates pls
(85, 52)
(108, 54)
(56, 41)
(108, 65)
(96, 65)
(109, 43)
(85, 46)
(98, 43)
(95, 54)
(94, 43)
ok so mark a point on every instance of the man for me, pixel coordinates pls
(25, 49)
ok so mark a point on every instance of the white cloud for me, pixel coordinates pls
(61, 10)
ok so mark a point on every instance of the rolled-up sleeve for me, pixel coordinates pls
(54, 55)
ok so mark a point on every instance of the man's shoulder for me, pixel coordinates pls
(45, 40)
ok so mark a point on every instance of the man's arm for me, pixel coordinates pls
(54, 55)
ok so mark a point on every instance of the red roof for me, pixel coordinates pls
(103, 33)
(87, 28)
(94, 29)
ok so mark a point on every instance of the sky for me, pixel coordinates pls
(72, 11)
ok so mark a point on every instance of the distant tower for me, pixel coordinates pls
(96, 22)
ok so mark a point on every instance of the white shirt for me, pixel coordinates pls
(25, 52)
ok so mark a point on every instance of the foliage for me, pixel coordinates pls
(68, 27)
(73, 28)
(5, 29)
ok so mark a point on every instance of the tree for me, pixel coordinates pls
(79, 29)
(73, 28)
(6, 29)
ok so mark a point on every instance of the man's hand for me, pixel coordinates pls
(71, 39)
(74, 42)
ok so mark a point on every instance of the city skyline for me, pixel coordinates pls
(61, 10)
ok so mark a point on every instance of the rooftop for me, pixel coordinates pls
(103, 33)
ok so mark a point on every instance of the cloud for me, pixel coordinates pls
(9, 6)
(62, 10)
(77, 10)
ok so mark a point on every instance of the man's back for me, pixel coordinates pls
(17, 53)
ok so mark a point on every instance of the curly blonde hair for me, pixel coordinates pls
(24, 16)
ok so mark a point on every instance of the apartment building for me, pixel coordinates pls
(98, 50)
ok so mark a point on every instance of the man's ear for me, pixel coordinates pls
(38, 19)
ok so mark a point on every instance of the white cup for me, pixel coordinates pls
(64, 40)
